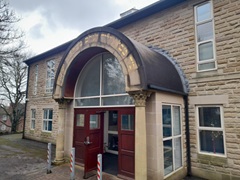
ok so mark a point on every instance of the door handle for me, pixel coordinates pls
(87, 142)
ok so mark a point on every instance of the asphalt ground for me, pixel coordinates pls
(22, 159)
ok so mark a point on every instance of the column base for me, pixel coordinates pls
(58, 162)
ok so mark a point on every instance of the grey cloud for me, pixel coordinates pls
(35, 31)
(75, 14)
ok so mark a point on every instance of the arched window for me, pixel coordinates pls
(102, 83)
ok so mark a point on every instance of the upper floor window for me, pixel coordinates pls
(50, 76)
(35, 80)
(102, 83)
(4, 117)
(47, 119)
(211, 130)
(206, 59)
(33, 118)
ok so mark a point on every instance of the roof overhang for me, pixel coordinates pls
(144, 68)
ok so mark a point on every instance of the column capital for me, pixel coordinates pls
(140, 97)
(63, 102)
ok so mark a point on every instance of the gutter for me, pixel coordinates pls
(188, 152)
(26, 102)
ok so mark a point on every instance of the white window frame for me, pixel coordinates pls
(4, 117)
(173, 137)
(205, 41)
(211, 129)
(35, 80)
(101, 96)
(33, 119)
(50, 89)
(47, 119)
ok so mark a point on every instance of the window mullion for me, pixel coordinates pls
(101, 79)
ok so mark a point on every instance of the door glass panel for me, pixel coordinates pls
(113, 121)
(113, 142)
(127, 121)
(166, 118)
(94, 121)
(80, 120)
(113, 78)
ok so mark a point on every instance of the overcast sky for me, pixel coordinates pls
(49, 23)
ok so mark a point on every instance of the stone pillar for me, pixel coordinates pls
(60, 131)
(140, 134)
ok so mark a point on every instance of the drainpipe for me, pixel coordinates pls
(25, 109)
(188, 153)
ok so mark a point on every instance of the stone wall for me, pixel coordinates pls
(40, 101)
(174, 31)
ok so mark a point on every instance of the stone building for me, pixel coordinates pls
(157, 92)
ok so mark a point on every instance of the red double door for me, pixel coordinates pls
(89, 138)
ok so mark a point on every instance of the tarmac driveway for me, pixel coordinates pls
(21, 158)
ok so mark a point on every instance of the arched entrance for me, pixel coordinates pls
(104, 117)
(144, 70)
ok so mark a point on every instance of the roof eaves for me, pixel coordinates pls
(143, 13)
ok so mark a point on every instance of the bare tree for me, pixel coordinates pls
(10, 36)
(12, 88)
(13, 72)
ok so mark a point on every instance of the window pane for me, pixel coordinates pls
(80, 120)
(49, 125)
(205, 51)
(113, 121)
(87, 102)
(113, 78)
(113, 142)
(45, 125)
(50, 116)
(168, 158)
(89, 82)
(127, 122)
(176, 121)
(178, 153)
(45, 115)
(166, 118)
(211, 141)
(33, 124)
(33, 113)
(204, 31)
(203, 12)
(94, 121)
(117, 100)
(206, 66)
(209, 116)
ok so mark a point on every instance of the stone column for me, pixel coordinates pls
(140, 134)
(60, 131)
